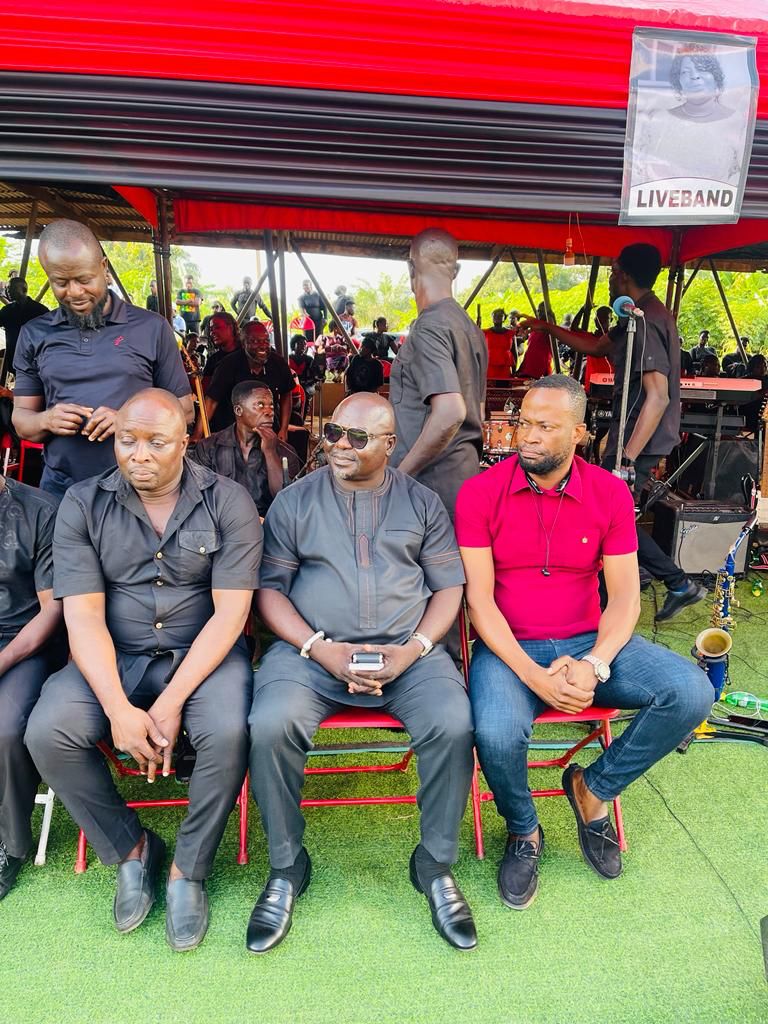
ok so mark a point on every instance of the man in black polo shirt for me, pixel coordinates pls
(19, 311)
(254, 361)
(78, 364)
(653, 412)
(437, 385)
(29, 621)
(250, 451)
(156, 563)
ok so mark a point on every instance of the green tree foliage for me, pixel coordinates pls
(387, 297)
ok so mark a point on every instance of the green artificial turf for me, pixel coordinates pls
(675, 939)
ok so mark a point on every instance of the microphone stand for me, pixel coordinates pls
(631, 329)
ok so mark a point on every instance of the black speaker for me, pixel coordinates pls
(698, 534)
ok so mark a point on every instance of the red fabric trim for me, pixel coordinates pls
(192, 216)
(703, 241)
(532, 51)
(142, 200)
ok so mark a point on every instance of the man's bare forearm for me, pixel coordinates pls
(212, 644)
(31, 426)
(645, 427)
(94, 654)
(274, 471)
(437, 433)
(440, 613)
(494, 630)
(617, 624)
(33, 636)
(279, 615)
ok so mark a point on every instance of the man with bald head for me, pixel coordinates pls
(359, 560)
(76, 365)
(156, 562)
(437, 385)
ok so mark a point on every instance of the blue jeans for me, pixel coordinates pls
(672, 696)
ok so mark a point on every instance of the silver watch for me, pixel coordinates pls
(602, 668)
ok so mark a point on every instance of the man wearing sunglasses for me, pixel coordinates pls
(360, 559)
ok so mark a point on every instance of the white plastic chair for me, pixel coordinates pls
(46, 799)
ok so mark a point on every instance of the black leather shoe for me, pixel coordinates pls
(136, 884)
(519, 871)
(675, 601)
(186, 913)
(451, 915)
(597, 839)
(9, 870)
(271, 918)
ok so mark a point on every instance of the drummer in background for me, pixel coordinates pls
(502, 355)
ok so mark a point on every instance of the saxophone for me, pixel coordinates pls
(713, 644)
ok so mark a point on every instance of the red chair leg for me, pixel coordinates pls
(477, 820)
(81, 863)
(242, 853)
(617, 813)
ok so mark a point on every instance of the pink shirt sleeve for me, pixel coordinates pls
(471, 520)
(621, 535)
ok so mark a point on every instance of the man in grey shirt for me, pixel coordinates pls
(437, 384)
(359, 558)
(156, 562)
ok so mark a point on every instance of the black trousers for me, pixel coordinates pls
(69, 721)
(649, 554)
(19, 690)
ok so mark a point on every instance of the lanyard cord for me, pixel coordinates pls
(548, 534)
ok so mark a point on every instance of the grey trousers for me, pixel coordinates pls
(429, 699)
(68, 722)
(19, 690)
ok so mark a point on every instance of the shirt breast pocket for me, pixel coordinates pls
(196, 548)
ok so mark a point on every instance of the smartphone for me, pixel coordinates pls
(366, 661)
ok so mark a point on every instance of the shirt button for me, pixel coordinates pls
(158, 625)
(202, 551)
(159, 554)
(159, 583)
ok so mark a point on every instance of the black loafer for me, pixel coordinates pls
(136, 884)
(186, 913)
(9, 870)
(675, 601)
(451, 915)
(597, 839)
(519, 871)
(271, 918)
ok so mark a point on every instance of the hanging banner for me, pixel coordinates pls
(690, 124)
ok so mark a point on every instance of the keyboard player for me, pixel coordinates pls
(653, 419)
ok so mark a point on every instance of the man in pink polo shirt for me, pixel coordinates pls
(534, 531)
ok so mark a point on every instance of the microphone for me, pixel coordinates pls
(624, 306)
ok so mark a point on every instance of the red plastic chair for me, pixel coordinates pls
(602, 717)
(371, 718)
(25, 447)
(6, 447)
(81, 863)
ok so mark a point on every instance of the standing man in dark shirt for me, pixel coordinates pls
(188, 300)
(78, 364)
(240, 298)
(250, 451)
(156, 562)
(364, 372)
(153, 301)
(653, 411)
(437, 385)
(254, 361)
(19, 311)
(29, 620)
(313, 306)
(364, 557)
(224, 336)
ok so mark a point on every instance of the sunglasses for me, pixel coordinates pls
(357, 437)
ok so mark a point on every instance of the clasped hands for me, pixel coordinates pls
(335, 658)
(67, 419)
(567, 685)
(148, 736)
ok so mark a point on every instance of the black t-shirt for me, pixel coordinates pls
(12, 319)
(364, 375)
(236, 368)
(656, 348)
(313, 306)
(385, 343)
(27, 516)
(152, 304)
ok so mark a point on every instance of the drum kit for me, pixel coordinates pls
(500, 436)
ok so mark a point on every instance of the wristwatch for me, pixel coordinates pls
(602, 668)
(425, 642)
